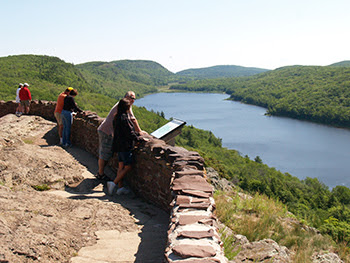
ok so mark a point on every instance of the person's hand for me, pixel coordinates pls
(143, 132)
(145, 139)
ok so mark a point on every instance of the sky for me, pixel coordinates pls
(179, 34)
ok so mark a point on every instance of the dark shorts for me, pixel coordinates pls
(125, 157)
(25, 103)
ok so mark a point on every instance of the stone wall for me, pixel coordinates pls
(170, 177)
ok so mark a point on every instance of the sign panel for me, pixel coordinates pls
(168, 128)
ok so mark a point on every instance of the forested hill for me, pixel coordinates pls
(345, 63)
(47, 75)
(116, 77)
(315, 93)
(225, 71)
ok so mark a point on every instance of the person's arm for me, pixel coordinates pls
(128, 129)
(136, 126)
(135, 122)
(75, 107)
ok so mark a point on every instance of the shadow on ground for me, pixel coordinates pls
(153, 220)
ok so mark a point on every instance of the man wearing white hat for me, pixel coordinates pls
(25, 97)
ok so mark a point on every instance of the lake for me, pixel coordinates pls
(301, 148)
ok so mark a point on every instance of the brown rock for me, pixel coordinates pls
(192, 183)
(266, 250)
(203, 206)
(187, 251)
(197, 234)
(189, 172)
(190, 219)
(195, 193)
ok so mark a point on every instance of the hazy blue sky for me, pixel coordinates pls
(180, 34)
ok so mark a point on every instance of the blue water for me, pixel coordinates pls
(300, 148)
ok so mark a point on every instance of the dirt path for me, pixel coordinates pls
(75, 221)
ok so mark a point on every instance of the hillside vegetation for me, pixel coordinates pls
(318, 94)
(115, 78)
(225, 71)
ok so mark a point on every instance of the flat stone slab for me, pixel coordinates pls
(197, 234)
(196, 193)
(187, 251)
(191, 219)
(192, 183)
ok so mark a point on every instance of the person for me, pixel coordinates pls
(124, 140)
(69, 106)
(18, 101)
(25, 97)
(105, 134)
(58, 111)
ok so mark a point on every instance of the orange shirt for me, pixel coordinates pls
(60, 102)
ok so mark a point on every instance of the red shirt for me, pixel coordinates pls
(60, 102)
(24, 94)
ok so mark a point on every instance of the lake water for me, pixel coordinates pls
(300, 148)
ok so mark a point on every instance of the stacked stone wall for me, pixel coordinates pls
(167, 176)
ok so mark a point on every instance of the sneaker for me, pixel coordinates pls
(61, 141)
(122, 191)
(110, 187)
(100, 176)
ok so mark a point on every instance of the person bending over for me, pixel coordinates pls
(105, 134)
(124, 141)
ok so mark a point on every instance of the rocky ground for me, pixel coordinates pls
(75, 214)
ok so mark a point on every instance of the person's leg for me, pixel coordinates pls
(64, 131)
(60, 130)
(67, 123)
(59, 120)
(101, 166)
(18, 109)
(70, 122)
(23, 106)
(122, 171)
(105, 151)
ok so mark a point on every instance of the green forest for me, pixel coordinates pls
(214, 72)
(313, 93)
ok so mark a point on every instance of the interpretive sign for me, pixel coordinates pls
(169, 131)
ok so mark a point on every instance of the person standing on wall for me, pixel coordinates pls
(25, 97)
(58, 111)
(124, 141)
(69, 107)
(105, 134)
(18, 101)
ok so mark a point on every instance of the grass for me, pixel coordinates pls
(42, 187)
(259, 217)
(28, 140)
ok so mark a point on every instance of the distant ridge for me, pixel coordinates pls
(345, 63)
(223, 71)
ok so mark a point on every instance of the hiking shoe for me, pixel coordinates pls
(110, 187)
(100, 176)
(122, 191)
